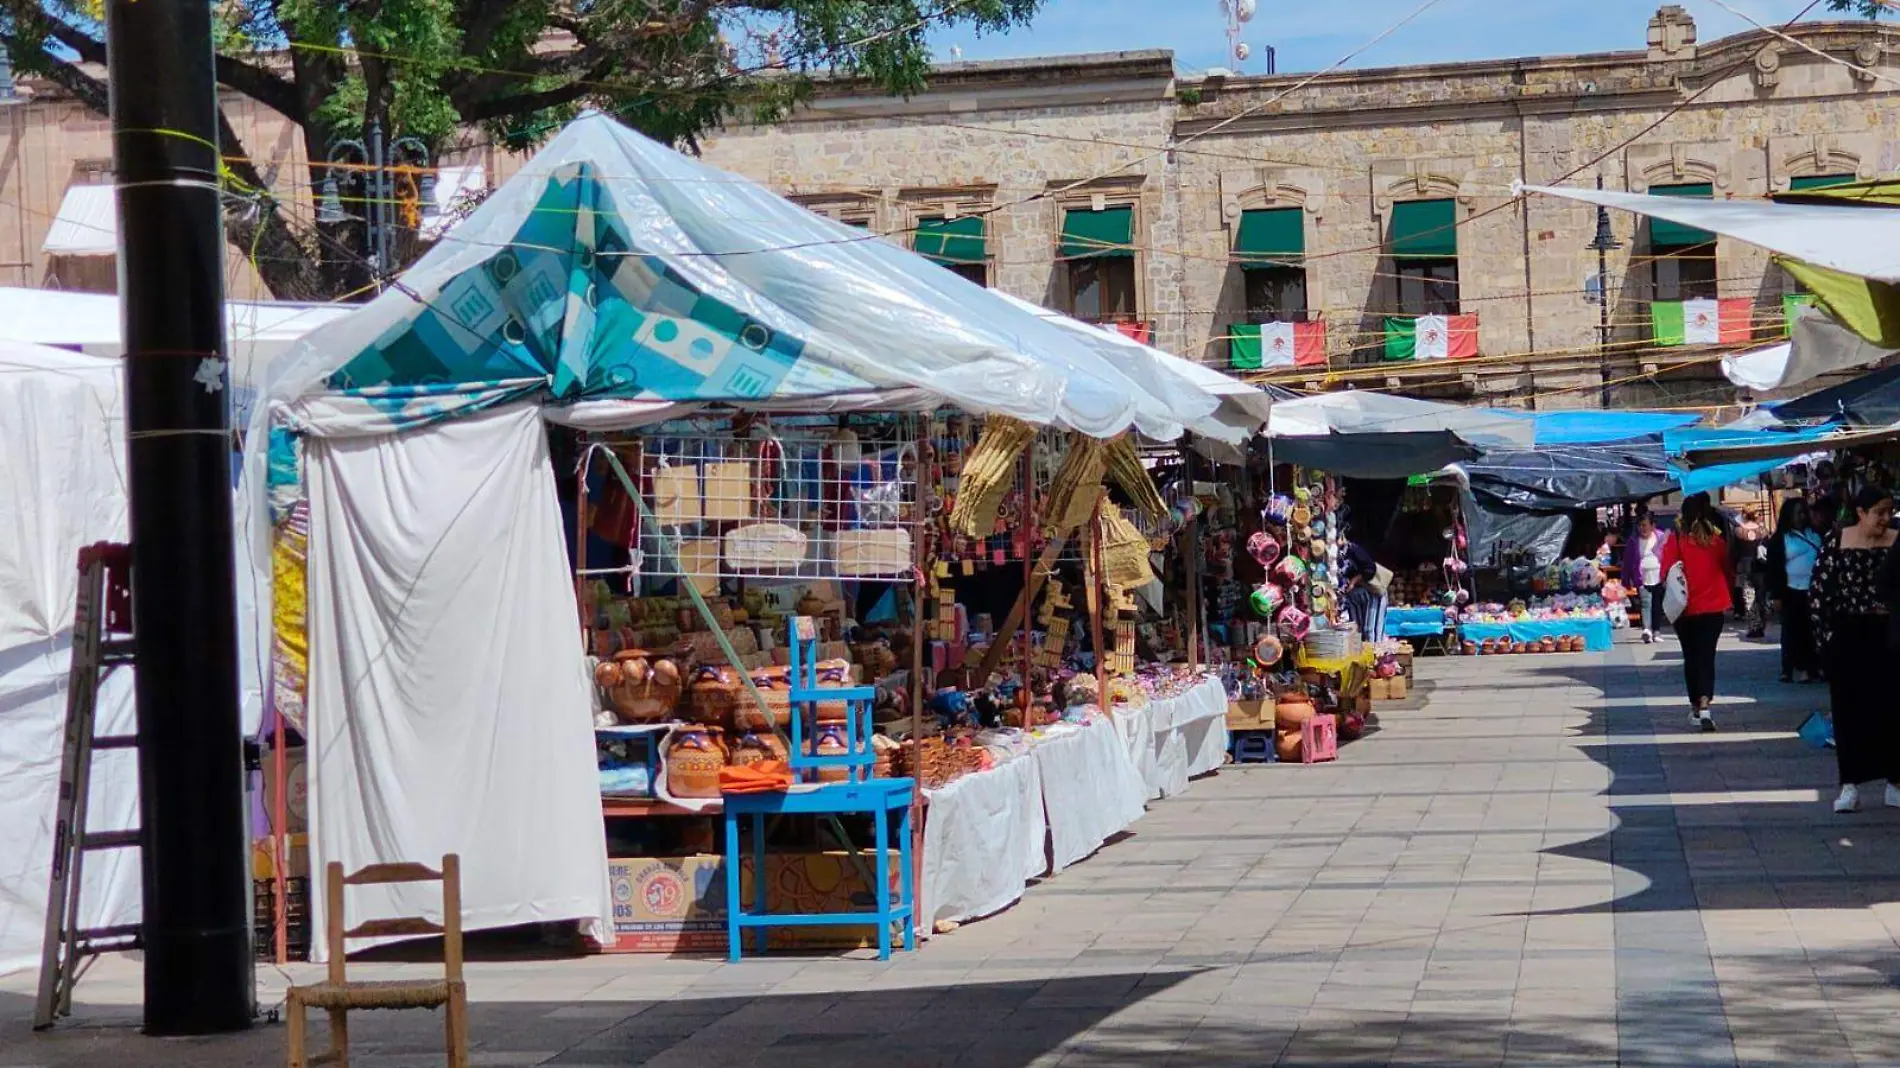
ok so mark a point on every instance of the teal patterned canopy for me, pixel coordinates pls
(572, 302)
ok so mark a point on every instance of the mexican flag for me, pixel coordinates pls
(1432, 337)
(1270, 345)
(1702, 322)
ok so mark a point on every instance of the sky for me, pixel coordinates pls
(1309, 35)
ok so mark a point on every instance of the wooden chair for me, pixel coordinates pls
(338, 995)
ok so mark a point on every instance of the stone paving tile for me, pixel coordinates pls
(1531, 862)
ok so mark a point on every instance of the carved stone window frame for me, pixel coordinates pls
(918, 203)
(1100, 194)
(1813, 156)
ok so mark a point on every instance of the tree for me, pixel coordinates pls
(514, 70)
(1867, 9)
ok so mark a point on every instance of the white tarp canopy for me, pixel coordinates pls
(669, 245)
(1241, 410)
(87, 223)
(1820, 346)
(1364, 412)
(62, 486)
(1861, 241)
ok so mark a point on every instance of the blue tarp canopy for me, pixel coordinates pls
(1702, 479)
(1585, 427)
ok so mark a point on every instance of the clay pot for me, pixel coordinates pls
(775, 685)
(1548, 645)
(831, 741)
(809, 605)
(646, 689)
(1291, 712)
(1286, 746)
(695, 755)
(1471, 648)
(757, 747)
(714, 695)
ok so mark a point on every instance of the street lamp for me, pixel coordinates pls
(370, 165)
(1603, 242)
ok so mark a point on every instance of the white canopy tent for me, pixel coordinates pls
(62, 486)
(1820, 346)
(1360, 411)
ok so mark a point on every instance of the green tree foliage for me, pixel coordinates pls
(510, 71)
(1867, 9)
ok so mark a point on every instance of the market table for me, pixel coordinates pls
(984, 839)
(1089, 787)
(1172, 739)
(1595, 630)
(1419, 622)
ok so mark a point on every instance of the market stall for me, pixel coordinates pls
(756, 438)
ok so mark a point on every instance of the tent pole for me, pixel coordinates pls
(1192, 566)
(1023, 699)
(1098, 603)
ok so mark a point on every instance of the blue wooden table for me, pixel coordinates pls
(886, 801)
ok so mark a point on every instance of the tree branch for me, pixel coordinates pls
(524, 103)
(87, 89)
(270, 90)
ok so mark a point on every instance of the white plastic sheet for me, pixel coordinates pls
(1820, 346)
(62, 443)
(1857, 240)
(866, 309)
(1361, 411)
(448, 706)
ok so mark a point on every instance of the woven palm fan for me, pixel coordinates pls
(1124, 466)
(1076, 485)
(1124, 550)
(989, 470)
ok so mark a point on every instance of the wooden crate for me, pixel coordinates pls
(1250, 715)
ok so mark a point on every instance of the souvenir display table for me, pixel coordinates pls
(1595, 631)
(1173, 739)
(1415, 622)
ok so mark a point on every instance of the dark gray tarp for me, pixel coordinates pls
(1558, 478)
(1488, 532)
(1870, 400)
(1360, 455)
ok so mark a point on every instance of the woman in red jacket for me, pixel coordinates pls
(1702, 551)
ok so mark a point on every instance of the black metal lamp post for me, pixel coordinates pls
(368, 168)
(1604, 241)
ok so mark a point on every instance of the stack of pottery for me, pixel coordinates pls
(695, 754)
(830, 741)
(1290, 713)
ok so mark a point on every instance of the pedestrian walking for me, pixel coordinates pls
(1749, 550)
(1703, 552)
(1642, 565)
(1792, 554)
(1852, 593)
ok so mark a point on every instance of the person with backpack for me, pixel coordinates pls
(1701, 599)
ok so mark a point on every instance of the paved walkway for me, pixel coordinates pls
(1534, 862)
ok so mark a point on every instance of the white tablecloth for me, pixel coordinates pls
(984, 840)
(1091, 789)
(1173, 739)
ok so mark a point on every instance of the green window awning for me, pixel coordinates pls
(951, 241)
(1271, 237)
(1424, 230)
(1098, 234)
(1818, 181)
(1664, 234)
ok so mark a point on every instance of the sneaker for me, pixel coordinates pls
(1649, 636)
(1706, 721)
(1893, 796)
(1849, 801)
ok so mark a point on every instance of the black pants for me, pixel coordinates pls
(1797, 634)
(1866, 741)
(1698, 634)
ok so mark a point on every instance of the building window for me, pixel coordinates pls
(1275, 294)
(1819, 181)
(1102, 289)
(1099, 250)
(958, 244)
(1428, 287)
(1682, 257)
(1424, 243)
(1270, 246)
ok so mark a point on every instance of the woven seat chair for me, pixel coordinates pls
(337, 995)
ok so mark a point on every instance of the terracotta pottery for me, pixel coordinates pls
(1286, 745)
(1471, 648)
(694, 756)
(757, 747)
(831, 741)
(714, 694)
(1292, 711)
(647, 688)
(775, 685)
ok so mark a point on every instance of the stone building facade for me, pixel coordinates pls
(1027, 144)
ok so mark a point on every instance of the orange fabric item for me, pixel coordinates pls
(766, 777)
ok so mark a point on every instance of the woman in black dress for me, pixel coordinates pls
(1852, 594)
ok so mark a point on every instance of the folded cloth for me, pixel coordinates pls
(766, 777)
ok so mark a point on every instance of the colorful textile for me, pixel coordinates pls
(290, 644)
(1432, 337)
